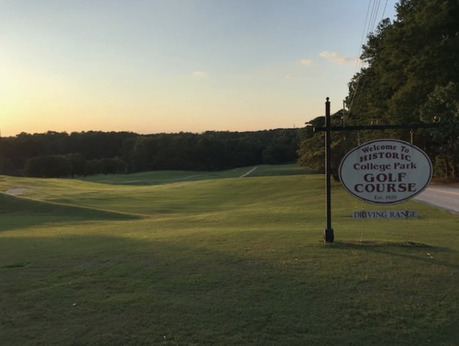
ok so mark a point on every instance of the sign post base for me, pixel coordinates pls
(329, 236)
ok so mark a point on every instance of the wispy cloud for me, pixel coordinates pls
(199, 74)
(306, 62)
(336, 57)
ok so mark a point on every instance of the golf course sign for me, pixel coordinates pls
(385, 171)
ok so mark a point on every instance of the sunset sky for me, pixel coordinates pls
(152, 66)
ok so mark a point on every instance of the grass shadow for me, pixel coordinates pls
(17, 212)
(114, 290)
(407, 249)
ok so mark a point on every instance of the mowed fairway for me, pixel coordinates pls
(198, 258)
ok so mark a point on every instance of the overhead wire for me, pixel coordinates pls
(372, 10)
(369, 26)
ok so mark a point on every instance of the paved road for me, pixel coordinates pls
(441, 196)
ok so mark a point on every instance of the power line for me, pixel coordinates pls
(370, 23)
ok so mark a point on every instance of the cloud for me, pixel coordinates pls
(199, 74)
(306, 62)
(337, 58)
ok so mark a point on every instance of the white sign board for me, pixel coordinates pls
(385, 171)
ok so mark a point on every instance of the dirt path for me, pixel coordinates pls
(445, 197)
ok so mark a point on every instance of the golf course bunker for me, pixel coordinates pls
(17, 191)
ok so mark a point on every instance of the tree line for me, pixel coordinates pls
(59, 154)
(410, 75)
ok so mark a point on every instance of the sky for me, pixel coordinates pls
(153, 66)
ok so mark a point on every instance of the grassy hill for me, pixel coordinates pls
(193, 258)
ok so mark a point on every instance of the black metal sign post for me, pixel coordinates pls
(329, 236)
(328, 233)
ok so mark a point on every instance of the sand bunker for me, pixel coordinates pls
(16, 192)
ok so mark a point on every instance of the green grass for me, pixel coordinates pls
(163, 258)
